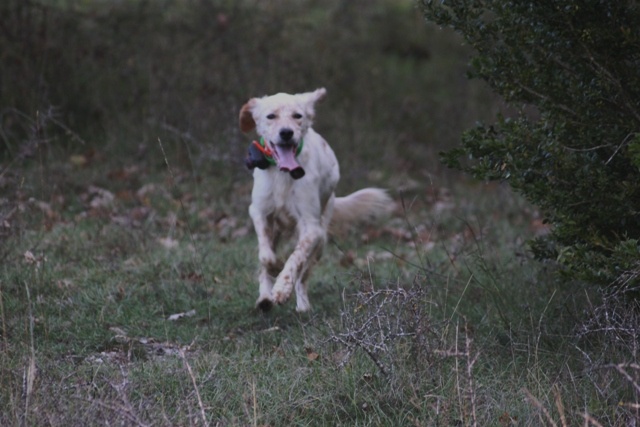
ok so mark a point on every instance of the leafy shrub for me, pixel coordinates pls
(570, 70)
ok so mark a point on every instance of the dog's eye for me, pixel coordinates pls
(271, 116)
(297, 116)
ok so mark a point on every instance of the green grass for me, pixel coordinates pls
(89, 310)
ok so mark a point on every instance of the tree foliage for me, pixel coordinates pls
(571, 68)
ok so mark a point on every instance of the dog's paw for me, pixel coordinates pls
(280, 296)
(264, 304)
(268, 258)
(302, 300)
(303, 308)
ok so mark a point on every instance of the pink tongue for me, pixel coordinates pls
(286, 157)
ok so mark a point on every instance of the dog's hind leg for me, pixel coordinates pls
(302, 298)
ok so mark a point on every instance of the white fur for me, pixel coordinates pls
(282, 207)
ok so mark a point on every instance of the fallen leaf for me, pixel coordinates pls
(139, 213)
(45, 208)
(100, 198)
(240, 232)
(125, 195)
(168, 243)
(64, 284)
(123, 174)
(29, 257)
(78, 160)
(147, 189)
(118, 331)
(193, 277)
(507, 420)
(347, 259)
(311, 354)
(177, 316)
(120, 336)
(121, 293)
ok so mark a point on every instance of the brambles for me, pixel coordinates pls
(395, 328)
(377, 322)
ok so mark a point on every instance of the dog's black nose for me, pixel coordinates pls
(286, 134)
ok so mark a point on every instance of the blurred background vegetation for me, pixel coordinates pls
(105, 79)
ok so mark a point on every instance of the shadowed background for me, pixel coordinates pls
(109, 79)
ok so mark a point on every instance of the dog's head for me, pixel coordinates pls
(282, 120)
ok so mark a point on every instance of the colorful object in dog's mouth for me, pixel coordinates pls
(262, 156)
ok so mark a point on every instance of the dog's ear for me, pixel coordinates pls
(310, 98)
(247, 124)
(317, 95)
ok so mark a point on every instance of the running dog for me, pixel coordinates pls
(295, 175)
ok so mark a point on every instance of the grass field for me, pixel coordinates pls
(132, 304)
(128, 279)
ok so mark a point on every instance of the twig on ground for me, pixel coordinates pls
(195, 387)
(541, 407)
(255, 403)
(466, 393)
(589, 420)
(560, 405)
(471, 361)
(30, 369)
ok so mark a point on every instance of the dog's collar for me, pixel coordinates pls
(268, 154)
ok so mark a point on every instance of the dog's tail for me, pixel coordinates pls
(364, 206)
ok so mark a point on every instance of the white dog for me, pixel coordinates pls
(293, 193)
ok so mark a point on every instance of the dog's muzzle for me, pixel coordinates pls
(285, 155)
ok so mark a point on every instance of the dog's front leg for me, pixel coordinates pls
(311, 240)
(266, 255)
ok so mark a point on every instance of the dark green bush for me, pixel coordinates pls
(570, 68)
